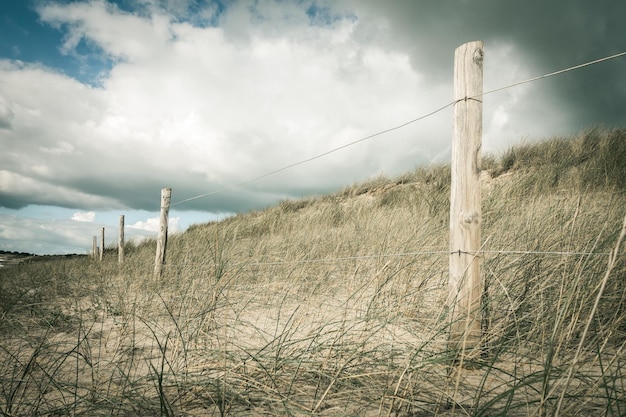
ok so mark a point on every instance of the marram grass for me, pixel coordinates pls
(336, 305)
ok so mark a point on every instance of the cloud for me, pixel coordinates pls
(201, 108)
(200, 103)
(541, 38)
(17, 191)
(153, 224)
(121, 34)
(87, 217)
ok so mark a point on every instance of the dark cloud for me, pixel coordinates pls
(548, 36)
(12, 201)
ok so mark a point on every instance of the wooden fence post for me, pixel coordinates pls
(102, 245)
(120, 242)
(94, 248)
(465, 289)
(159, 260)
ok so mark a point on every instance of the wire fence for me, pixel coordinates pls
(435, 252)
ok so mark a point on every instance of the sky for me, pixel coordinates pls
(105, 102)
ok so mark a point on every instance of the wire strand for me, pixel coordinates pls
(382, 132)
(575, 67)
(401, 254)
(348, 258)
(530, 252)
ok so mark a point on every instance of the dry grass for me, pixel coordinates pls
(335, 305)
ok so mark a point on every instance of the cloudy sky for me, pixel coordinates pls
(105, 102)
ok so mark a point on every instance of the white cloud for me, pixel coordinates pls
(152, 225)
(86, 217)
(263, 90)
(121, 34)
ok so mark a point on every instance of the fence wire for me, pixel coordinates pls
(382, 132)
(398, 255)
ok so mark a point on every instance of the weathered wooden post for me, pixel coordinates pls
(102, 244)
(465, 204)
(159, 261)
(94, 247)
(120, 242)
